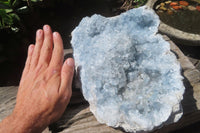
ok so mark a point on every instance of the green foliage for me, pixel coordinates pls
(10, 11)
(129, 4)
(139, 2)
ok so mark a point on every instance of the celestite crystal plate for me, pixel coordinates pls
(128, 74)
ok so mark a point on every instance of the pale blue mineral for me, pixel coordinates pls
(129, 76)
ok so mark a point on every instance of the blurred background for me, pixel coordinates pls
(19, 20)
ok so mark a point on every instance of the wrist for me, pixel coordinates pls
(10, 125)
(20, 124)
(29, 123)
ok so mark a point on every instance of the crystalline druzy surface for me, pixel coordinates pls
(128, 74)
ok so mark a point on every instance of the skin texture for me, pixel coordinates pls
(45, 86)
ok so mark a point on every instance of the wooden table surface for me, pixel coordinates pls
(78, 119)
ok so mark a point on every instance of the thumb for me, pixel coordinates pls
(67, 73)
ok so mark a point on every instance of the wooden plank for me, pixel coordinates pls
(78, 119)
(7, 100)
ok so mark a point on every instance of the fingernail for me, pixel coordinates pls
(39, 33)
(55, 34)
(46, 27)
(70, 62)
(31, 48)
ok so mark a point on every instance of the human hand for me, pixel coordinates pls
(45, 86)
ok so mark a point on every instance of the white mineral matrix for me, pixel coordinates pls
(128, 74)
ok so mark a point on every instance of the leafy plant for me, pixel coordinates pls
(10, 10)
(139, 2)
(129, 4)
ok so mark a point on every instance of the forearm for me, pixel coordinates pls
(9, 125)
(12, 124)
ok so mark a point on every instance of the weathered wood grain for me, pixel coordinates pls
(78, 119)
(7, 100)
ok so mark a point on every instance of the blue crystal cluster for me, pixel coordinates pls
(128, 74)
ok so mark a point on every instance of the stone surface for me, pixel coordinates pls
(128, 74)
